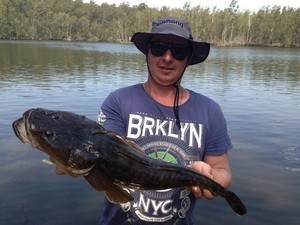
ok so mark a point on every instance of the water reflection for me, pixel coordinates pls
(40, 63)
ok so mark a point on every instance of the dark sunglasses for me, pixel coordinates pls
(159, 48)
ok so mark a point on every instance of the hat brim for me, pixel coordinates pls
(200, 49)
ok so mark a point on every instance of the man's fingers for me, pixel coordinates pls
(200, 193)
(207, 194)
(197, 191)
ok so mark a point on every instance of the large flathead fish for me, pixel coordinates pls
(82, 147)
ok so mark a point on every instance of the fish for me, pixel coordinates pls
(109, 162)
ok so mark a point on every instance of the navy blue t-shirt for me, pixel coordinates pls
(132, 113)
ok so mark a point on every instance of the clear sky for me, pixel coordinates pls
(252, 5)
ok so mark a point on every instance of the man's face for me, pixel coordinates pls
(167, 58)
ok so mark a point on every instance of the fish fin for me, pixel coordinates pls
(118, 195)
(134, 146)
(102, 182)
(235, 203)
(121, 139)
(131, 143)
(99, 184)
(99, 179)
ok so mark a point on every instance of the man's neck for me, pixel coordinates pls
(165, 94)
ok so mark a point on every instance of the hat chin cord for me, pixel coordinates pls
(177, 93)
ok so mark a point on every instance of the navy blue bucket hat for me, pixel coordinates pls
(177, 27)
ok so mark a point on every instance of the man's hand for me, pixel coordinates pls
(215, 167)
(206, 170)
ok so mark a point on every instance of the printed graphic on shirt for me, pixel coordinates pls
(142, 126)
(101, 118)
(162, 205)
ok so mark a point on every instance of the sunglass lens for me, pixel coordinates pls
(158, 48)
(179, 52)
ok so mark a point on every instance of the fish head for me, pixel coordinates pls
(66, 137)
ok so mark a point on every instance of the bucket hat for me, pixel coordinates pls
(177, 27)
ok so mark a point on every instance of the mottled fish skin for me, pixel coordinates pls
(108, 161)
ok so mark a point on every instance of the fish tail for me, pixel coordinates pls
(235, 203)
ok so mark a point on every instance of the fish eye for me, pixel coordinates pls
(48, 133)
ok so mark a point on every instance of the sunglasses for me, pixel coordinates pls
(159, 48)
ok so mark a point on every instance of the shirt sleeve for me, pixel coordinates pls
(112, 115)
(218, 139)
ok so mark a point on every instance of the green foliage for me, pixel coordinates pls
(75, 20)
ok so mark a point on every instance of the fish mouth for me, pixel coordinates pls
(20, 128)
(20, 131)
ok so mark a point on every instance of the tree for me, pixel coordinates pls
(75, 20)
(233, 9)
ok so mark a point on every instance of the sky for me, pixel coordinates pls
(253, 5)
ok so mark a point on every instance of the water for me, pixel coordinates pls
(257, 88)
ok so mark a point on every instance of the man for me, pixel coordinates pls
(170, 123)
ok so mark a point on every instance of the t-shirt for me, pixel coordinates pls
(132, 113)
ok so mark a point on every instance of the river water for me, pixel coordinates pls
(257, 88)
